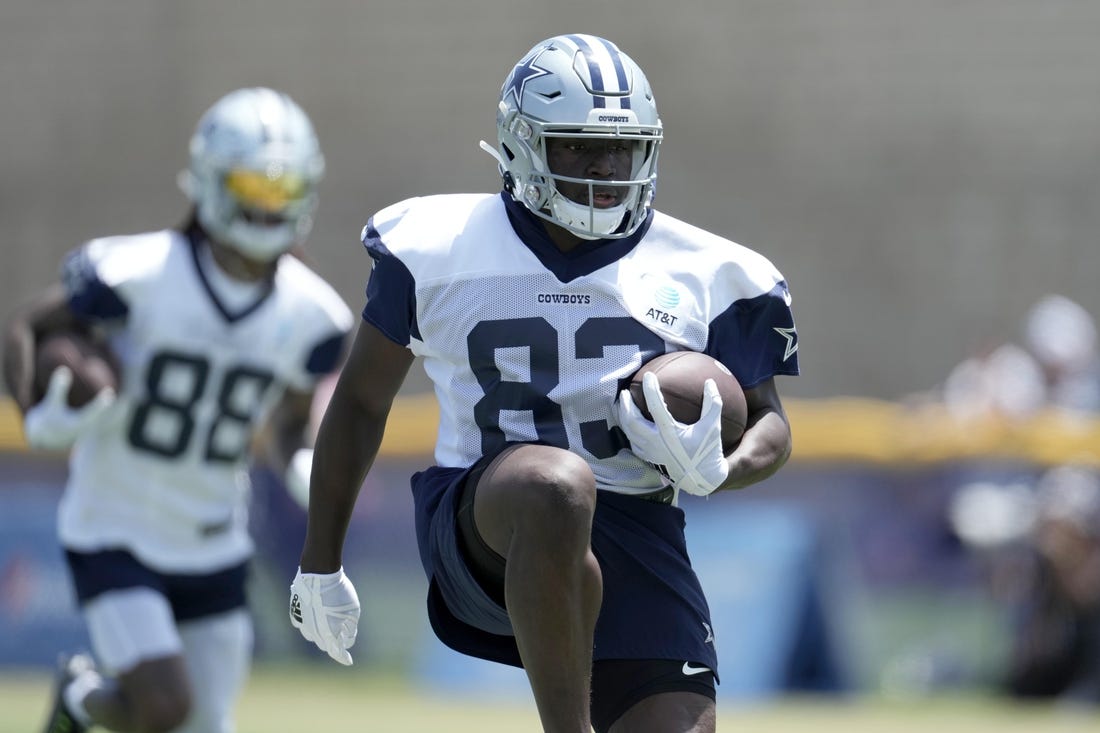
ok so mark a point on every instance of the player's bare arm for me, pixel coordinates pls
(47, 312)
(348, 441)
(324, 606)
(766, 445)
(285, 430)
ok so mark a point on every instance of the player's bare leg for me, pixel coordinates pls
(669, 712)
(534, 506)
(152, 697)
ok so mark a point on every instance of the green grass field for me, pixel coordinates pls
(318, 700)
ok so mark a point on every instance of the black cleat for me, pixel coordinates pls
(61, 720)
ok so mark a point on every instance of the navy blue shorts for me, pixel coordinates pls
(653, 606)
(190, 596)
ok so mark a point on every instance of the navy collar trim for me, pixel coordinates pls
(196, 239)
(568, 266)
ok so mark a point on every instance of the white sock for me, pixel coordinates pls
(77, 690)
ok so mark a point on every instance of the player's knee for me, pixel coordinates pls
(561, 491)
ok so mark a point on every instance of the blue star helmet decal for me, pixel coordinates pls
(523, 72)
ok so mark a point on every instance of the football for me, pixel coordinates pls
(91, 361)
(682, 374)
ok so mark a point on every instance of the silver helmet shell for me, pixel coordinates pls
(255, 165)
(579, 86)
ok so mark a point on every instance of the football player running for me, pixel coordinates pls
(550, 540)
(221, 338)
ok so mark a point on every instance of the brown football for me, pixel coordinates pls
(91, 361)
(682, 374)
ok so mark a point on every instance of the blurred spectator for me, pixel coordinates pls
(1005, 382)
(1039, 536)
(1062, 337)
(1056, 366)
(1042, 544)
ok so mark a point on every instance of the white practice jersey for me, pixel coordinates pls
(165, 476)
(526, 344)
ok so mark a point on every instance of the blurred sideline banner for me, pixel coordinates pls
(849, 429)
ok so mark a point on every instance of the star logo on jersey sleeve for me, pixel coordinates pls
(792, 341)
(522, 73)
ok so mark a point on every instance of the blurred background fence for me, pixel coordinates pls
(920, 171)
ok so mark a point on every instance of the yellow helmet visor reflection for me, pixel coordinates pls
(258, 190)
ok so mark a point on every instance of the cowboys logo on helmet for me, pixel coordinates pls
(577, 86)
(255, 165)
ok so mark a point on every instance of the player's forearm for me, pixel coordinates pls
(283, 439)
(47, 312)
(347, 443)
(763, 450)
(19, 362)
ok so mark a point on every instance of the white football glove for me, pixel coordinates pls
(51, 424)
(690, 455)
(325, 608)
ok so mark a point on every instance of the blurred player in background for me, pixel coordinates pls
(1056, 649)
(550, 539)
(220, 339)
(1039, 544)
(1038, 537)
(1055, 366)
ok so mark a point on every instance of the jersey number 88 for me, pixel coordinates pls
(176, 383)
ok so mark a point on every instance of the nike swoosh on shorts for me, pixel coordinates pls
(690, 670)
